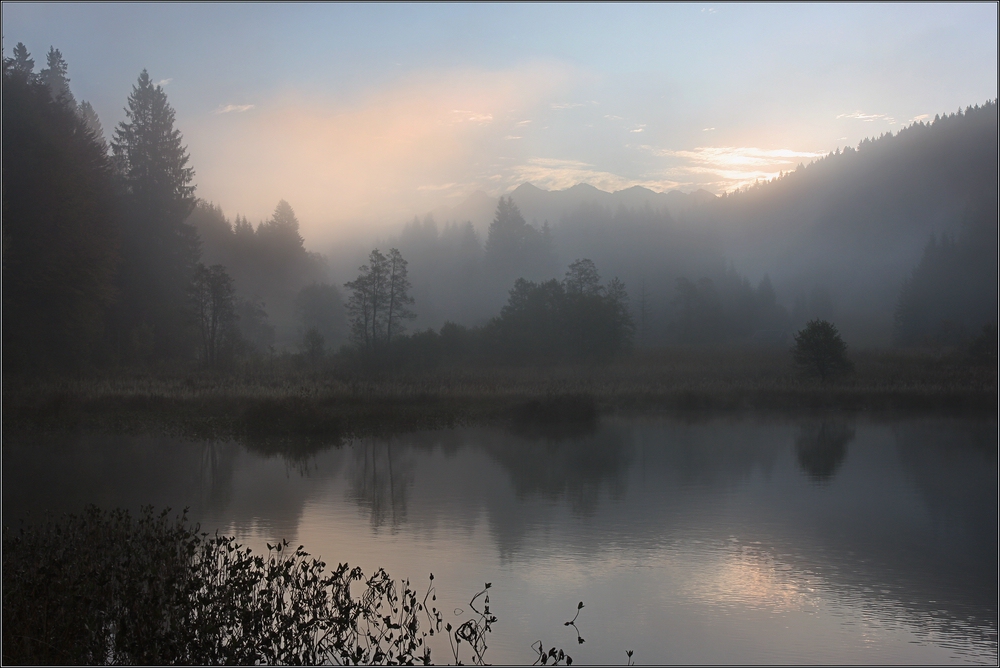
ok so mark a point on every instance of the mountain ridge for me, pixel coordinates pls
(538, 205)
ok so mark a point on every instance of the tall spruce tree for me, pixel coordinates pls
(22, 63)
(54, 77)
(90, 118)
(160, 250)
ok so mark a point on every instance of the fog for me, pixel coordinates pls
(694, 226)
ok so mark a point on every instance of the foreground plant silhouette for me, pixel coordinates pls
(104, 588)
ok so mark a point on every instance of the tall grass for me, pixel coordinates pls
(328, 403)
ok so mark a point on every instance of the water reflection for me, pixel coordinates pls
(822, 447)
(723, 540)
(576, 468)
(380, 481)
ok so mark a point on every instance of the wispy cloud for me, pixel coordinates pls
(707, 129)
(509, 137)
(868, 118)
(472, 116)
(163, 82)
(917, 119)
(572, 105)
(520, 123)
(238, 108)
(743, 156)
(731, 166)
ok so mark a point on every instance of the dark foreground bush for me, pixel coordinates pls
(104, 588)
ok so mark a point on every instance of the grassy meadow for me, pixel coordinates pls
(287, 397)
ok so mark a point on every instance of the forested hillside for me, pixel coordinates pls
(854, 225)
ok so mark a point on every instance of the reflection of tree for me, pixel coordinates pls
(822, 448)
(216, 468)
(380, 480)
(576, 467)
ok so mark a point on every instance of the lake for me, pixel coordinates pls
(751, 539)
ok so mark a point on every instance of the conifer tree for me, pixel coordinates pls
(22, 62)
(60, 236)
(160, 249)
(92, 121)
(54, 77)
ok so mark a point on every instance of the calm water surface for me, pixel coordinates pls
(843, 540)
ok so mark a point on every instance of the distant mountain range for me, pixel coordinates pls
(538, 205)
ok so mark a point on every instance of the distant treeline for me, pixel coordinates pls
(840, 239)
(109, 259)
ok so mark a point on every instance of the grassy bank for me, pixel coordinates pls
(280, 399)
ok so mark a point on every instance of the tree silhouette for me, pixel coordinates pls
(582, 278)
(93, 122)
(379, 301)
(215, 308)
(513, 247)
(398, 299)
(366, 305)
(160, 249)
(819, 350)
(22, 63)
(60, 237)
(55, 79)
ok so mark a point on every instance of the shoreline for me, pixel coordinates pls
(333, 404)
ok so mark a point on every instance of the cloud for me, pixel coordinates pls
(238, 108)
(732, 166)
(509, 137)
(472, 116)
(571, 105)
(917, 119)
(163, 82)
(707, 129)
(740, 155)
(520, 123)
(868, 118)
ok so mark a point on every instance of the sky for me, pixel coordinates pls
(365, 115)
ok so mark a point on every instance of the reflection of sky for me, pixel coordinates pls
(361, 112)
(688, 542)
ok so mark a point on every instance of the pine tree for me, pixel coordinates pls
(54, 77)
(90, 118)
(160, 249)
(22, 63)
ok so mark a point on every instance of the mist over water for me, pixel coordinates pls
(724, 540)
